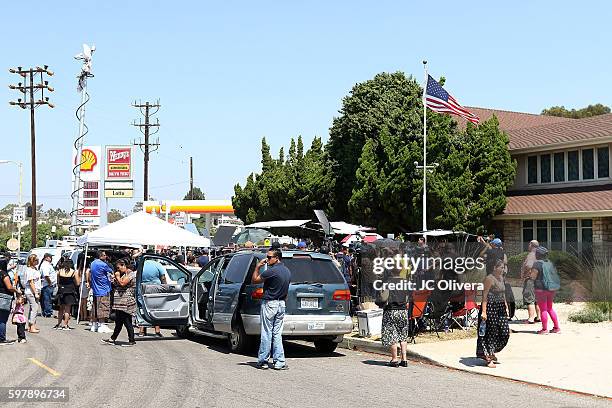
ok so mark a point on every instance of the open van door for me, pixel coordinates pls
(165, 305)
(227, 293)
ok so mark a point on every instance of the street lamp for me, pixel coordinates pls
(20, 166)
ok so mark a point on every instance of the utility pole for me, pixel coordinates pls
(191, 177)
(28, 88)
(147, 147)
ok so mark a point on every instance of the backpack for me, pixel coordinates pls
(550, 277)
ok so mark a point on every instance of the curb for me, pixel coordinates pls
(375, 347)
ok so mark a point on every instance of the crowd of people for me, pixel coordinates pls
(102, 288)
(540, 283)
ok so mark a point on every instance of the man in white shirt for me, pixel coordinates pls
(49, 283)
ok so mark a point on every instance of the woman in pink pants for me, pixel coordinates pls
(544, 297)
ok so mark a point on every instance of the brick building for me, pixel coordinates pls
(562, 195)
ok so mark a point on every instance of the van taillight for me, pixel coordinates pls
(257, 293)
(342, 294)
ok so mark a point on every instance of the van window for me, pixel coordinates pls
(313, 270)
(237, 269)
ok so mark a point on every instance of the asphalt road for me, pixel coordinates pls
(199, 372)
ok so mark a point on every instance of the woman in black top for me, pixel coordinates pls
(67, 293)
(7, 289)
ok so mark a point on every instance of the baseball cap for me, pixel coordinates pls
(301, 244)
(496, 242)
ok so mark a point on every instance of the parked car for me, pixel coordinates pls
(220, 301)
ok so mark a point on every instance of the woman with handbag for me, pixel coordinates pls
(32, 286)
(124, 302)
(6, 299)
(68, 282)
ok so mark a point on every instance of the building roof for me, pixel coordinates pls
(592, 129)
(528, 131)
(559, 203)
(509, 121)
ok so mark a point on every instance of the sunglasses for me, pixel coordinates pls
(270, 256)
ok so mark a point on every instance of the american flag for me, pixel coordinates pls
(438, 100)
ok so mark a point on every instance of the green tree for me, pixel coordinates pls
(114, 215)
(387, 101)
(197, 194)
(288, 187)
(466, 189)
(591, 110)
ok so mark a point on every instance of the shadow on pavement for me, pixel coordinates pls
(151, 338)
(472, 362)
(376, 363)
(301, 350)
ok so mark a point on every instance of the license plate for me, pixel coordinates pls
(316, 326)
(309, 303)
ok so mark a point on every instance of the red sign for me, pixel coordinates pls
(89, 212)
(118, 162)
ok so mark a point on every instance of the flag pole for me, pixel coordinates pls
(425, 149)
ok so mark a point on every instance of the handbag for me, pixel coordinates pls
(5, 302)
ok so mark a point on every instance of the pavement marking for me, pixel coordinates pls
(41, 365)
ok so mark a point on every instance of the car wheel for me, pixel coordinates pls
(239, 341)
(183, 332)
(325, 346)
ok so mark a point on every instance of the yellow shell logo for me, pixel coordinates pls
(88, 160)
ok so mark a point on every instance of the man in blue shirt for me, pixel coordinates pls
(276, 286)
(203, 259)
(153, 273)
(100, 283)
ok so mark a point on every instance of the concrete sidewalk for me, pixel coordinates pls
(577, 359)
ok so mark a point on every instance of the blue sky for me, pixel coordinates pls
(228, 73)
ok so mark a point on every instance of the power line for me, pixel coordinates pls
(146, 146)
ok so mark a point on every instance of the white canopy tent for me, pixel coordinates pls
(143, 229)
(136, 230)
(338, 227)
(344, 228)
(279, 224)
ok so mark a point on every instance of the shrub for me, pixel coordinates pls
(602, 287)
(515, 264)
(568, 265)
(590, 314)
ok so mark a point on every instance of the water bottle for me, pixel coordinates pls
(482, 328)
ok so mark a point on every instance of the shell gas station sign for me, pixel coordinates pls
(89, 193)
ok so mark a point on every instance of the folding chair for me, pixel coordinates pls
(439, 311)
(468, 315)
(416, 311)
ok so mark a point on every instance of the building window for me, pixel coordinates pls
(586, 228)
(603, 162)
(545, 168)
(559, 235)
(527, 233)
(572, 166)
(588, 164)
(556, 234)
(571, 231)
(559, 167)
(542, 231)
(532, 169)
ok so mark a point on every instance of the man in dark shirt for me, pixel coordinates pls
(203, 259)
(275, 280)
